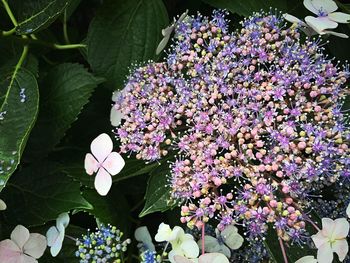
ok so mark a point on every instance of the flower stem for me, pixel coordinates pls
(164, 250)
(283, 250)
(203, 238)
(9, 12)
(65, 31)
(70, 46)
(311, 222)
(9, 32)
(71, 238)
(314, 225)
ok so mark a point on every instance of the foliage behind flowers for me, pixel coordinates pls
(234, 133)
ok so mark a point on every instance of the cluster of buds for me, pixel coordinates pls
(254, 118)
(104, 245)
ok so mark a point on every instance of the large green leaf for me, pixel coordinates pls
(247, 7)
(39, 193)
(39, 14)
(158, 195)
(65, 90)
(17, 117)
(122, 33)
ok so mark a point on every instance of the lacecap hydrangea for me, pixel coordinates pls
(254, 118)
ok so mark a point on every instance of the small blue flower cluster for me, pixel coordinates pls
(148, 256)
(104, 245)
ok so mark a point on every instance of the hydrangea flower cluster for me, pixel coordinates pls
(104, 245)
(253, 117)
(148, 256)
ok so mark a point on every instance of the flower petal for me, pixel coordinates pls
(20, 235)
(181, 259)
(162, 44)
(90, 164)
(341, 229)
(319, 239)
(56, 248)
(168, 30)
(318, 6)
(103, 182)
(182, 17)
(55, 237)
(142, 235)
(173, 253)
(62, 219)
(319, 24)
(26, 259)
(211, 244)
(336, 34)
(306, 259)
(327, 227)
(348, 210)
(114, 163)
(52, 236)
(101, 147)
(190, 248)
(231, 237)
(293, 19)
(9, 251)
(116, 117)
(35, 246)
(310, 6)
(213, 258)
(115, 95)
(325, 253)
(2, 205)
(164, 233)
(178, 233)
(341, 247)
(339, 17)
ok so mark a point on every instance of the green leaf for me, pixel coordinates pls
(158, 194)
(111, 209)
(247, 7)
(65, 91)
(122, 33)
(17, 119)
(39, 193)
(39, 14)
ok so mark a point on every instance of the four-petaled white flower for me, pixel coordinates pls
(142, 235)
(104, 162)
(116, 115)
(326, 18)
(23, 247)
(182, 244)
(307, 259)
(225, 240)
(55, 234)
(205, 258)
(166, 32)
(332, 239)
